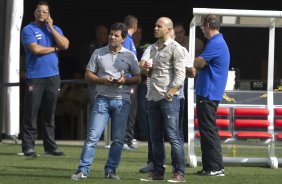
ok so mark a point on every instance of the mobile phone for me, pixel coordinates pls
(46, 20)
(115, 80)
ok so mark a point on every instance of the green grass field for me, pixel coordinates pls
(16, 169)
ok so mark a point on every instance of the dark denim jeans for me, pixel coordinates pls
(169, 111)
(129, 133)
(143, 125)
(102, 109)
(181, 131)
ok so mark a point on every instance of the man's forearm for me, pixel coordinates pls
(191, 72)
(91, 77)
(200, 63)
(39, 49)
(61, 41)
(136, 79)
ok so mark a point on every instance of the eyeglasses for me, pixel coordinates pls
(41, 11)
(204, 26)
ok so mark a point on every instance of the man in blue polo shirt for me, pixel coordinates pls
(41, 41)
(212, 66)
(131, 22)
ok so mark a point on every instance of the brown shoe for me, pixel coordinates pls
(153, 177)
(177, 178)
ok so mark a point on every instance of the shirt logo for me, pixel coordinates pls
(38, 35)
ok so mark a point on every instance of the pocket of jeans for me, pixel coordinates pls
(100, 105)
(101, 108)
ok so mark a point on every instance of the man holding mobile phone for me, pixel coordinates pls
(108, 69)
(41, 41)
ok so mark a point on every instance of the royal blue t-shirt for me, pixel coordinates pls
(40, 66)
(129, 44)
(212, 78)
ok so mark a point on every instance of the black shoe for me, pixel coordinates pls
(30, 153)
(55, 153)
(201, 172)
(111, 175)
(149, 167)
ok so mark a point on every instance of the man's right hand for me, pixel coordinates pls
(108, 81)
(148, 68)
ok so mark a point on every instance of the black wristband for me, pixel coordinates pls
(55, 49)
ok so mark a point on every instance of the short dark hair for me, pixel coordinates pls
(212, 21)
(130, 21)
(39, 3)
(120, 26)
(178, 24)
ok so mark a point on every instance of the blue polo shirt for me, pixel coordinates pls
(212, 79)
(129, 44)
(40, 66)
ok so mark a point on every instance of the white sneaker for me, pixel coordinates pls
(213, 173)
(126, 147)
(78, 176)
(134, 144)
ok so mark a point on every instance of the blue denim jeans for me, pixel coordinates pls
(103, 109)
(169, 111)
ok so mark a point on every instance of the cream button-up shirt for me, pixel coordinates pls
(168, 69)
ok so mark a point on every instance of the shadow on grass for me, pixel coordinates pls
(9, 154)
(41, 169)
(39, 172)
(34, 175)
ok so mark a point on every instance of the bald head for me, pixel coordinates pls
(163, 28)
(167, 22)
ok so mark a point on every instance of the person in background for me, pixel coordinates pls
(138, 42)
(183, 39)
(148, 167)
(212, 66)
(101, 40)
(142, 125)
(108, 68)
(167, 72)
(42, 40)
(129, 142)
